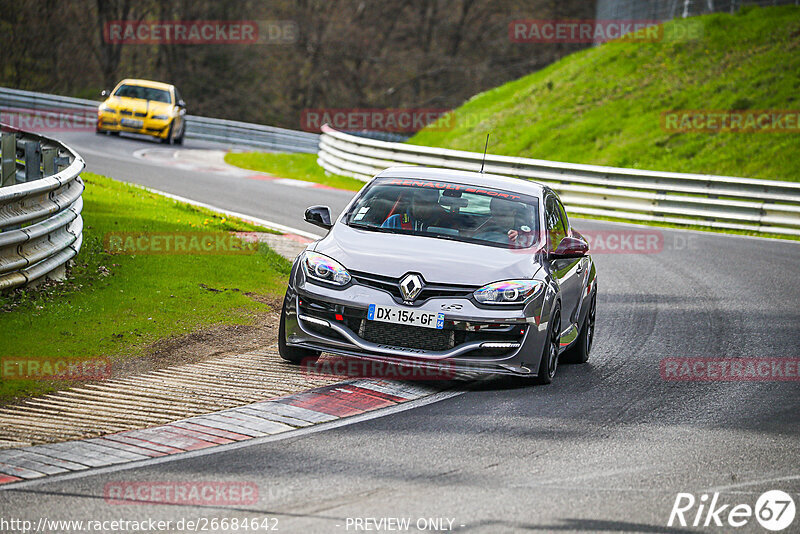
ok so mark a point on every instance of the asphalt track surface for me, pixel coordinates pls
(605, 448)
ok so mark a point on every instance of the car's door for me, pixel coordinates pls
(567, 271)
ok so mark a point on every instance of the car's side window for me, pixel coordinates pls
(563, 216)
(556, 229)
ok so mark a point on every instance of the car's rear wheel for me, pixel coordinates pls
(295, 355)
(579, 352)
(549, 361)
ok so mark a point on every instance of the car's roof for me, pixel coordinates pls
(146, 83)
(477, 179)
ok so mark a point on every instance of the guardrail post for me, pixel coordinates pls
(33, 161)
(49, 161)
(8, 166)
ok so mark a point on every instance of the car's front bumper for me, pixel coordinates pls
(475, 338)
(112, 122)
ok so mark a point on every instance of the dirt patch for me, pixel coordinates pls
(208, 342)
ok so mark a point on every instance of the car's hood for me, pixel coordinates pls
(437, 260)
(140, 106)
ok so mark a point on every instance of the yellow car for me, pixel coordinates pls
(143, 107)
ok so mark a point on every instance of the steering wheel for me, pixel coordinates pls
(491, 229)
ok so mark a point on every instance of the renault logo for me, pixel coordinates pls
(410, 286)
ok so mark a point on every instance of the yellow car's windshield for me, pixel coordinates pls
(143, 93)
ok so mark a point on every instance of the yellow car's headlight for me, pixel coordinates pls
(160, 117)
(105, 108)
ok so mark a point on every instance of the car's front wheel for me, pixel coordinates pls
(295, 355)
(579, 352)
(549, 361)
(169, 139)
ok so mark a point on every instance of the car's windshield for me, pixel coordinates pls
(448, 211)
(143, 93)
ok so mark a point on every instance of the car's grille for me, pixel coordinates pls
(392, 285)
(128, 113)
(411, 337)
(454, 333)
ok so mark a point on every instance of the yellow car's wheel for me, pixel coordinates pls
(168, 140)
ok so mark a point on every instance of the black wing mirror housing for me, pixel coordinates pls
(181, 104)
(570, 247)
(104, 93)
(319, 216)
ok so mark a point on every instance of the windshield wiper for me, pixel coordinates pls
(422, 233)
(376, 228)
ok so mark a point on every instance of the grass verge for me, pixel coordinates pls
(296, 166)
(117, 305)
(604, 105)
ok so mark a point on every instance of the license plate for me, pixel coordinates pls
(397, 315)
(130, 123)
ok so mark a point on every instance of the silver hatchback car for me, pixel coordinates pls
(446, 270)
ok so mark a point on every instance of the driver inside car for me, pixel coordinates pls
(423, 211)
(507, 218)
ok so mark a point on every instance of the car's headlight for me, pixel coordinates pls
(508, 291)
(106, 109)
(160, 117)
(325, 269)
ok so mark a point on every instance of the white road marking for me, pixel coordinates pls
(248, 218)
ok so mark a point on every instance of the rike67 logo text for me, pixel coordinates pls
(774, 510)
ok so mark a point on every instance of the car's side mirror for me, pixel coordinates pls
(104, 93)
(181, 104)
(319, 216)
(570, 247)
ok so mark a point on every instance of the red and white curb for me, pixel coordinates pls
(258, 420)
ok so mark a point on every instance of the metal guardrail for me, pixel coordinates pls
(765, 206)
(41, 227)
(203, 128)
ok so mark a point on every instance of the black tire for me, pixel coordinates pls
(549, 361)
(579, 352)
(179, 139)
(295, 355)
(168, 140)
